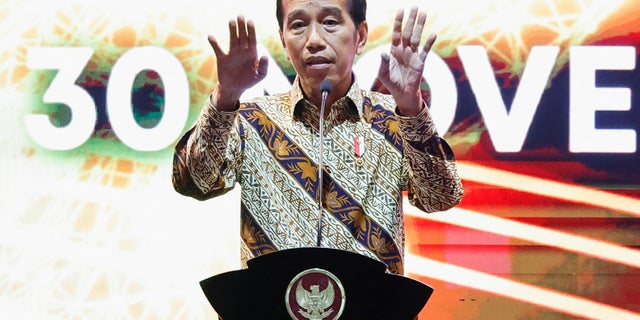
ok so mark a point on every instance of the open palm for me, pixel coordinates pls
(401, 71)
(240, 68)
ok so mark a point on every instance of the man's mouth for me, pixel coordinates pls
(317, 61)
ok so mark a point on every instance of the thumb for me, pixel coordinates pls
(214, 44)
(263, 67)
(383, 71)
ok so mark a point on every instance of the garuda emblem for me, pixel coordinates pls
(315, 294)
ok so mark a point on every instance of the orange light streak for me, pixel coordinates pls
(547, 188)
(559, 301)
(483, 222)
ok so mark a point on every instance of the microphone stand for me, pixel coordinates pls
(325, 89)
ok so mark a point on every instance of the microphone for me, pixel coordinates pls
(325, 89)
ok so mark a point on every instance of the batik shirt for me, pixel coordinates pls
(270, 147)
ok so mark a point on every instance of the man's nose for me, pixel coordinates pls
(315, 39)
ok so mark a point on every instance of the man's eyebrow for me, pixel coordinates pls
(332, 10)
(295, 13)
(327, 10)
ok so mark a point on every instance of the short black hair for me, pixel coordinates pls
(357, 11)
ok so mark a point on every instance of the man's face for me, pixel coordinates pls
(321, 41)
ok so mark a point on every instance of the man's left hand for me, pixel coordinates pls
(401, 72)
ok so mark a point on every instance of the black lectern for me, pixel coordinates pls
(314, 284)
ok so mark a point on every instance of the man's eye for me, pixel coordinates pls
(330, 22)
(297, 25)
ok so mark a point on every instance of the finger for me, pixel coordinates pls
(251, 32)
(242, 32)
(427, 46)
(263, 67)
(408, 27)
(215, 46)
(383, 70)
(397, 28)
(417, 33)
(233, 33)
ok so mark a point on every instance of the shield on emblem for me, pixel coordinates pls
(315, 294)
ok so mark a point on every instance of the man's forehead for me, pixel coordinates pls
(289, 5)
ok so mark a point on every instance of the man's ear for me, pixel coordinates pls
(362, 35)
(286, 53)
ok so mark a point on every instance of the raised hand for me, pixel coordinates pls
(401, 72)
(240, 68)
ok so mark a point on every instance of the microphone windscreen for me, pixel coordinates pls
(325, 86)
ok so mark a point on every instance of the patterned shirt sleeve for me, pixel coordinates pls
(206, 158)
(434, 184)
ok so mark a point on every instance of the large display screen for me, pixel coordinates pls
(539, 100)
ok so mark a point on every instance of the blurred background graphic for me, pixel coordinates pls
(539, 100)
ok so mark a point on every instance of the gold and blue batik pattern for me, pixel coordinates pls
(269, 146)
(346, 211)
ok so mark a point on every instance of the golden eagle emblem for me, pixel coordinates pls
(321, 297)
(316, 303)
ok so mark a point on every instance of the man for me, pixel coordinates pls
(375, 146)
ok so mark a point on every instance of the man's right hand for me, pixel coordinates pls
(240, 68)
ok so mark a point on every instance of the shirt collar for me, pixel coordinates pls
(353, 100)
